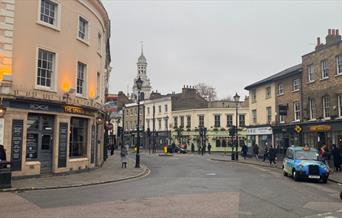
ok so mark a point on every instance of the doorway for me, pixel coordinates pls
(322, 138)
(39, 143)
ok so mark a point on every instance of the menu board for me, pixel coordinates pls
(17, 144)
(62, 147)
(93, 141)
(32, 146)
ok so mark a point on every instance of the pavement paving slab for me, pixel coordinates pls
(111, 171)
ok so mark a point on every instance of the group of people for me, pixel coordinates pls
(201, 149)
(331, 155)
(270, 153)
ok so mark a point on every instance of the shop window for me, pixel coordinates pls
(218, 143)
(78, 137)
(224, 143)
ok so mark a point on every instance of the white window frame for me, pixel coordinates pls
(55, 26)
(339, 64)
(166, 123)
(54, 74)
(86, 38)
(296, 85)
(311, 73)
(281, 119)
(159, 123)
(232, 120)
(324, 69)
(188, 121)
(269, 114)
(326, 105)
(254, 116)
(253, 96)
(218, 120)
(280, 89)
(268, 94)
(312, 109)
(296, 110)
(199, 120)
(85, 82)
(339, 99)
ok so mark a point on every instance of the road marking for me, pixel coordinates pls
(211, 174)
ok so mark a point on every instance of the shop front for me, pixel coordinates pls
(261, 136)
(44, 138)
(286, 135)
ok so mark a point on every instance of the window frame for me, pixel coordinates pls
(85, 86)
(217, 120)
(175, 122)
(280, 91)
(296, 110)
(181, 123)
(56, 26)
(54, 73)
(254, 116)
(242, 122)
(311, 73)
(324, 69)
(200, 120)
(269, 114)
(86, 129)
(312, 109)
(253, 96)
(338, 61)
(268, 92)
(294, 89)
(85, 40)
(339, 104)
(188, 121)
(326, 102)
(229, 120)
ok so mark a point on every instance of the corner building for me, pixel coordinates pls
(54, 69)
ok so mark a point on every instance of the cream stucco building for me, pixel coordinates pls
(54, 69)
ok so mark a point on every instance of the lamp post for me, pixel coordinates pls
(139, 83)
(236, 99)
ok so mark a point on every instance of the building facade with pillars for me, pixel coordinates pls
(130, 115)
(322, 92)
(157, 117)
(53, 94)
(218, 117)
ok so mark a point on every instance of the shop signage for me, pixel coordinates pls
(76, 110)
(41, 107)
(31, 146)
(282, 110)
(320, 128)
(17, 144)
(259, 131)
(62, 146)
(298, 129)
(2, 124)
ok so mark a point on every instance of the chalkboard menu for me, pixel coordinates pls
(31, 146)
(62, 148)
(92, 149)
(17, 144)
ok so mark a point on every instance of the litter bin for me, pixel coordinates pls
(5, 174)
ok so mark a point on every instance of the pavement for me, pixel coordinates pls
(334, 176)
(110, 172)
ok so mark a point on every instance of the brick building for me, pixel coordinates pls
(322, 92)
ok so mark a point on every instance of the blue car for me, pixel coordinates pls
(303, 163)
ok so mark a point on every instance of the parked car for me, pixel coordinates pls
(177, 149)
(303, 162)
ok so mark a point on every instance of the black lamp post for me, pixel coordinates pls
(139, 83)
(236, 99)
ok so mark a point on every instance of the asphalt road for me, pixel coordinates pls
(186, 186)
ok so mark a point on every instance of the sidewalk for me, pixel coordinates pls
(334, 176)
(111, 171)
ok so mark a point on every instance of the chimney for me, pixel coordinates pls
(329, 32)
(318, 42)
(333, 37)
(333, 32)
(337, 34)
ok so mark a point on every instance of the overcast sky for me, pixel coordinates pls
(226, 44)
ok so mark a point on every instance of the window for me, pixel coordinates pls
(78, 137)
(229, 120)
(159, 108)
(148, 110)
(242, 122)
(253, 96)
(326, 106)
(281, 118)
(311, 73)
(268, 92)
(98, 85)
(217, 120)
(99, 42)
(218, 143)
(339, 99)
(188, 121)
(312, 108)
(48, 12)
(181, 121)
(175, 122)
(159, 124)
(148, 123)
(83, 28)
(254, 116)
(324, 69)
(165, 106)
(166, 123)
(280, 89)
(81, 77)
(296, 110)
(269, 114)
(339, 64)
(201, 120)
(46, 68)
(295, 85)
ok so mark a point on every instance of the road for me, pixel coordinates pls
(185, 186)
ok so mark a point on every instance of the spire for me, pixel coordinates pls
(142, 58)
(142, 48)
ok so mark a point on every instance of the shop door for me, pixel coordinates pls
(40, 140)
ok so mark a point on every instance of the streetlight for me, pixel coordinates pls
(139, 83)
(236, 99)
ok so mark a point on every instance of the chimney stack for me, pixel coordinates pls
(333, 32)
(337, 34)
(329, 32)
(332, 37)
(318, 42)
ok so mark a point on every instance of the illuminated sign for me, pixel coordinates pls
(76, 110)
(320, 128)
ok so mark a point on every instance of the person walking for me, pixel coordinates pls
(124, 158)
(265, 153)
(337, 158)
(111, 149)
(173, 147)
(244, 150)
(203, 149)
(272, 155)
(192, 148)
(209, 148)
(256, 151)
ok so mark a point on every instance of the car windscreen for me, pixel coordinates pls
(306, 155)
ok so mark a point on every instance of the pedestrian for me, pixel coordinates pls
(272, 155)
(111, 149)
(192, 148)
(256, 151)
(244, 150)
(209, 148)
(323, 153)
(203, 149)
(2, 156)
(337, 158)
(265, 153)
(123, 154)
(199, 149)
(173, 147)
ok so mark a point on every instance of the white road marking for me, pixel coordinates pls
(211, 174)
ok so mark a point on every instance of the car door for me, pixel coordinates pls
(289, 161)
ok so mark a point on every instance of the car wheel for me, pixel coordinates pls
(295, 175)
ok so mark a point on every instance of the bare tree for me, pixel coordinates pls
(227, 98)
(206, 91)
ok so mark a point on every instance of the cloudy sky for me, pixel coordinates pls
(226, 44)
